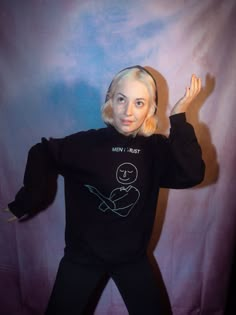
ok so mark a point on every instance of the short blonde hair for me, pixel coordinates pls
(139, 73)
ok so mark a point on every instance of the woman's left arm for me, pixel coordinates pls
(182, 159)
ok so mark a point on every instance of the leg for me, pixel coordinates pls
(73, 286)
(138, 288)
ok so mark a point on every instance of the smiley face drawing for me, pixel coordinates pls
(126, 174)
(122, 199)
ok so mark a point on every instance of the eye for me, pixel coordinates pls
(120, 99)
(139, 103)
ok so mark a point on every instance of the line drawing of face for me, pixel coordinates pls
(126, 173)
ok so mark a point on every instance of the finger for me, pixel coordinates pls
(199, 84)
(187, 93)
(6, 210)
(196, 86)
(12, 219)
(192, 86)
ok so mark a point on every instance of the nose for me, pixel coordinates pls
(128, 109)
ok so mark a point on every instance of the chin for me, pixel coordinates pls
(128, 132)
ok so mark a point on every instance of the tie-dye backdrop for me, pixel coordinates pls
(57, 58)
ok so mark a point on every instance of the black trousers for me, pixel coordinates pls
(75, 282)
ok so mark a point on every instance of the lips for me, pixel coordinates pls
(126, 122)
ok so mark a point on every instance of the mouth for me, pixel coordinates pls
(124, 179)
(126, 122)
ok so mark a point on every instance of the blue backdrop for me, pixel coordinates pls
(57, 59)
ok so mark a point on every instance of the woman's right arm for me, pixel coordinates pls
(39, 184)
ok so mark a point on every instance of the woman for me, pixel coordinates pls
(112, 178)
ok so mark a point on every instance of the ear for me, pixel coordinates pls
(152, 110)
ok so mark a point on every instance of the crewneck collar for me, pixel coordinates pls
(115, 132)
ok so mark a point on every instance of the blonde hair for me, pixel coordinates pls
(149, 125)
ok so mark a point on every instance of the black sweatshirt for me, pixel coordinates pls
(111, 185)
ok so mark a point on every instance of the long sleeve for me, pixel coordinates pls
(182, 162)
(39, 184)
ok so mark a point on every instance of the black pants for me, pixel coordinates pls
(76, 282)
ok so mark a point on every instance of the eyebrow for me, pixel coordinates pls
(138, 98)
(121, 94)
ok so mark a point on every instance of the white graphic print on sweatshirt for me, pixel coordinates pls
(122, 199)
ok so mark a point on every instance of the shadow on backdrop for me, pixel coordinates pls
(209, 157)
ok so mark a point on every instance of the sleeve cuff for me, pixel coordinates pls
(177, 119)
(19, 213)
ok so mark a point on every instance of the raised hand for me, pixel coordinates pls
(191, 92)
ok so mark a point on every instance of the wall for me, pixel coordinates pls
(56, 61)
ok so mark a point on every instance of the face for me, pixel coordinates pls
(126, 173)
(130, 105)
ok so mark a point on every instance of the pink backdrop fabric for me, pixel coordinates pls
(56, 60)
